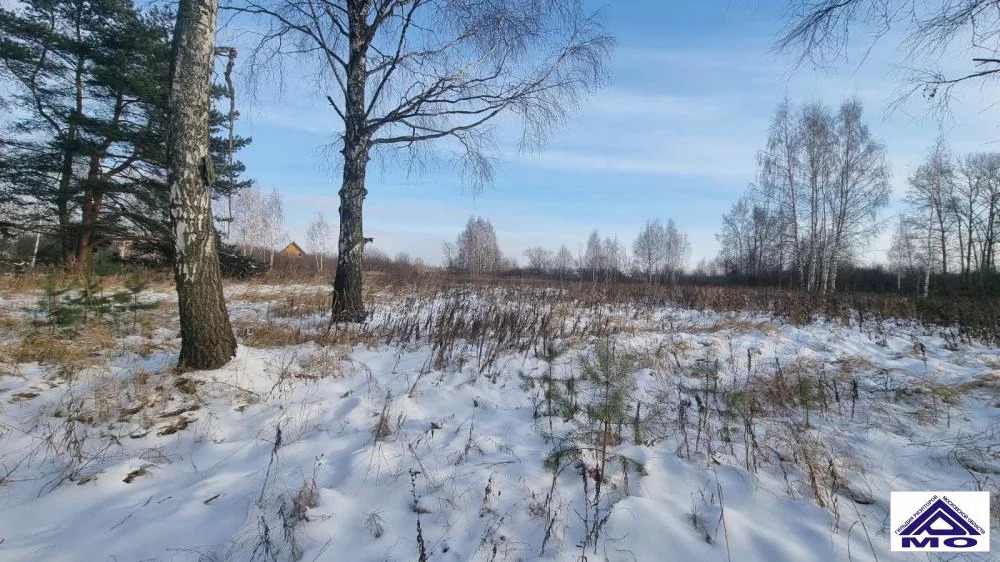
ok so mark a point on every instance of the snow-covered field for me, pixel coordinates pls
(489, 424)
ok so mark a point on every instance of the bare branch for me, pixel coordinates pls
(820, 31)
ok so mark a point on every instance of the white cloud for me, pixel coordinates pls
(300, 117)
(618, 103)
(684, 162)
(625, 131)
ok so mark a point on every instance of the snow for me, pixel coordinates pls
(387, 439)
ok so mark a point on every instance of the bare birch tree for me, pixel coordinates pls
(650, 249)
(751, 241)
(860, 188)
(955, 206)
(988, 227)
(968, 194)
(562, 262)
(977, 213)
(401, 72)
(318, 236)
(593, 259)
(539, 259)
(676, 251)
(904, 254)
(738, 252)
(449, 254)
(207, 340)
(817, 156)
(931, 192)
(248, 219)
(614, 257)
(824, 179)
(273, 223)
(476, 250)
(780, 176)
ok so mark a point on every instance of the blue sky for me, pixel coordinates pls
(673, 135)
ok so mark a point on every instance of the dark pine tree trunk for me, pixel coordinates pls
(64, 196)
(90, 208)
(347, 304)
(207, 340)
(93, 196)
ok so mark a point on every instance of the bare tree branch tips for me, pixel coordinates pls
(930, 35)
(398, 73)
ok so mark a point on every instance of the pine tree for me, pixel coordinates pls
(74, 65)
(90, 80)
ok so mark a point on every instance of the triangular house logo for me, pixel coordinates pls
(941, 517)
(939, 524)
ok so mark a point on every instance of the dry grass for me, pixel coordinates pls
(158, 279)
(110, 396)
(851, 365)
(932, 400)
(275, 333)
(802, 367)
(264, 334)
(736, 325)
(666, 356)
(250, 295)
(987, 381)
(49, 349)
(10, 324)
(323, 363)
(10, 340)
(164, 316)
(146, 347)
(824, 468)
(301, 304)
(24, 283)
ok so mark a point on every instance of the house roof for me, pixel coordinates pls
(293, 248)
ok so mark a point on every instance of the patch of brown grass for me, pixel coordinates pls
(932, 396)
(734, 324)
(150, 320)
(802, 367)
(301, 304)
(825, 467)
(263, 334)
(251, 295)
(22, 283)
(666, 356)
(987, 381)
(90, 342)
(850, 365)
(158, 279)
(321, 364)
(46, 349)
(10, 324)
(145, 347)
(270, 334)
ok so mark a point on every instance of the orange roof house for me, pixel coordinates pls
(293, 249)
